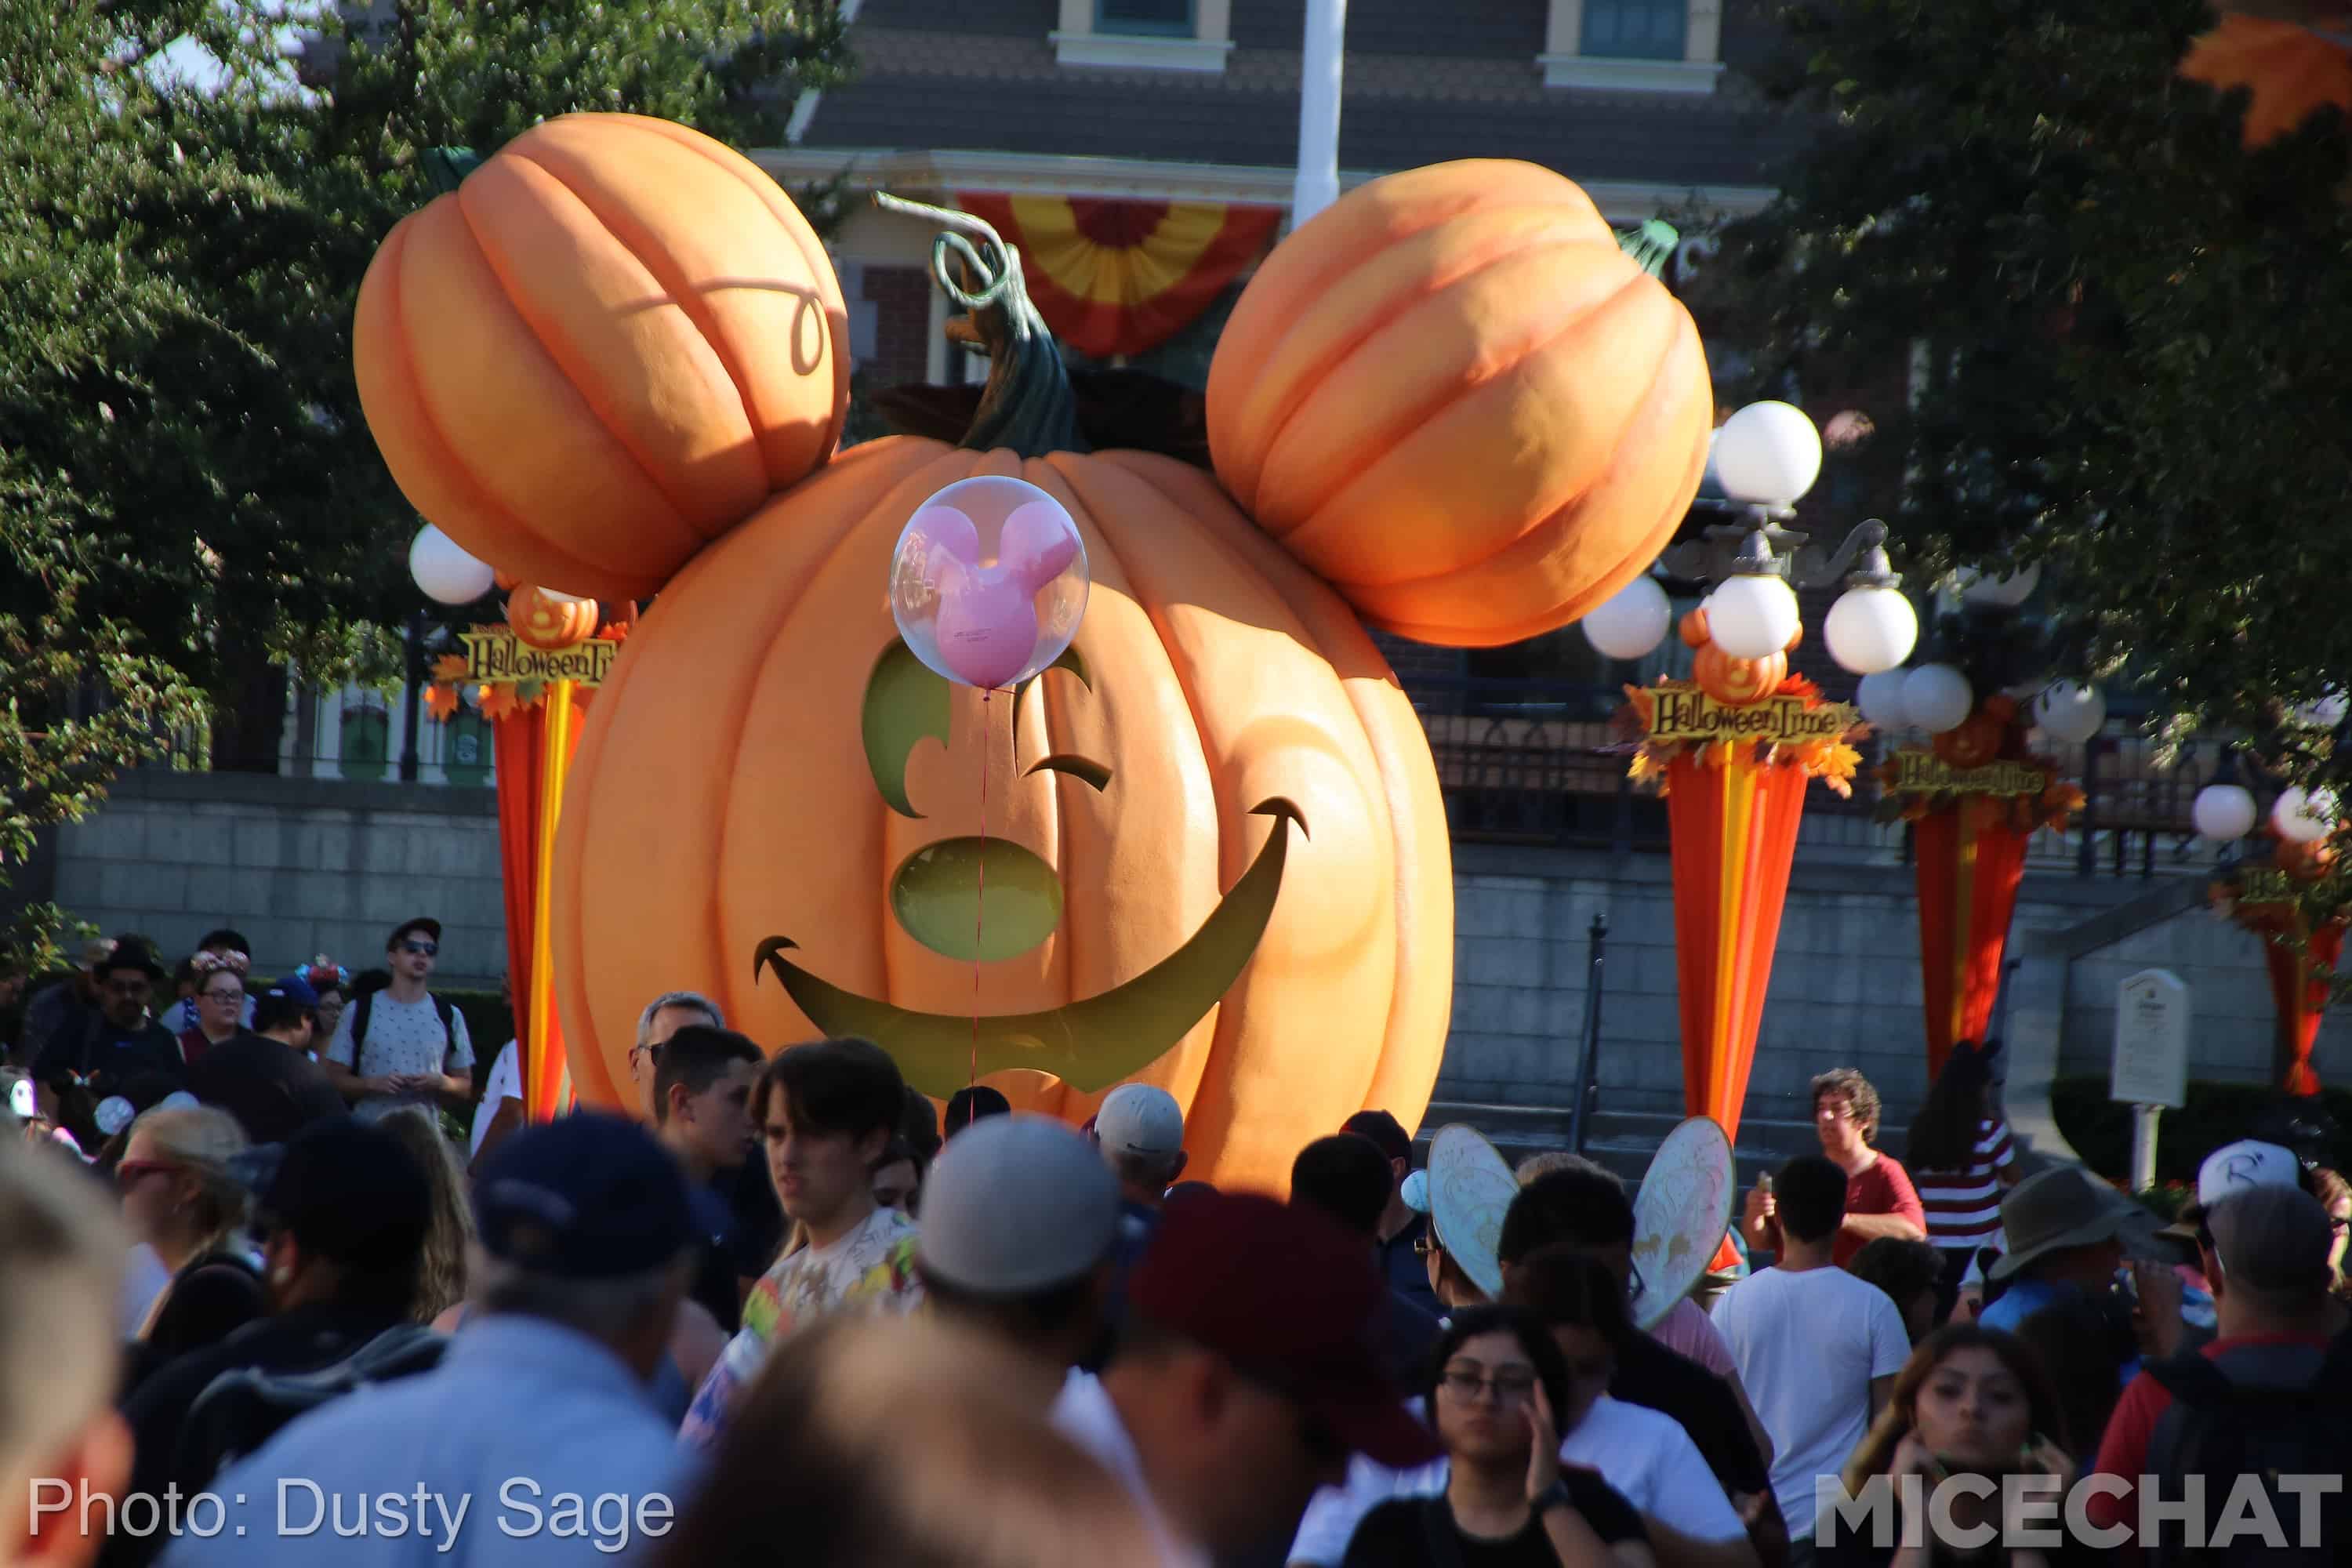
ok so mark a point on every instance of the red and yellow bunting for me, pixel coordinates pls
(1119, 278)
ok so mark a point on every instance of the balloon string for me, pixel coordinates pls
(980, 890)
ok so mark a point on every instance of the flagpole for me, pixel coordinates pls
(1317, 186)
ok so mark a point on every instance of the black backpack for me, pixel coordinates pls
(240, 1411)
(2260, 1410)
(364, 1005)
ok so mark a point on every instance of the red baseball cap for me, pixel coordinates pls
(1293, 1302)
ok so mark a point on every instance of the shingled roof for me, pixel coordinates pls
(1424, 82)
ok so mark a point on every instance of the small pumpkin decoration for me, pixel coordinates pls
(613, 342)
(1975, 740)
(2292, 68)
(1220, 696)
(1454, 395)
(550, 621)
(1737, 682)
(2305, 862)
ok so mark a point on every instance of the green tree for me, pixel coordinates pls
(192, 191)
(2128, 333)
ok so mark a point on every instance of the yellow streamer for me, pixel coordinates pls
(555, 762)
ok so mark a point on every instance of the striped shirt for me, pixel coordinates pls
(1964, 1206)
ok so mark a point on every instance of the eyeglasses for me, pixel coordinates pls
(224, 995)
(130, 1173)
(1512, 1385)
(1426, 1246)
(644, 1053)
(427, 948)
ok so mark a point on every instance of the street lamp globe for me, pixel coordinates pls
(2224, 811)
(2071, 710)
(1871, 630)
(445, 571)
(1938, 698)
(1880, 698)
(1752, 616)
(1630, 622)
(1768, 454)
(2305, 817)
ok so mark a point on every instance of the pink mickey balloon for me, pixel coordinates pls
(989, 581)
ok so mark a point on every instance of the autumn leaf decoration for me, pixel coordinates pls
(1832, 760)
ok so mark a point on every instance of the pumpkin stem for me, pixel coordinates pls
(1027, 406)
(1651, 245)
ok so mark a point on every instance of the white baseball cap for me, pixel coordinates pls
(2233, 1167)
(1016, 1204)
(1137, 1119)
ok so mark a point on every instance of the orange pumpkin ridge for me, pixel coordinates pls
(630, 346)
(1454, 397)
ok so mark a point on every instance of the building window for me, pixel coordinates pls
(1634, 29)
(1151, 18)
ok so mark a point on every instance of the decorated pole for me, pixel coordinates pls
(1732, 751)
(2301, 931)
(530, 679)
(1973, 802)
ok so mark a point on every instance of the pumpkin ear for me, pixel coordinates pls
(1471, 454)
(679, 406)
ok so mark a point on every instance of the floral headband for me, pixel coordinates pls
(214, 963)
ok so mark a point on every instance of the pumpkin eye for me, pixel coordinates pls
(906, 702)
(1083, 769)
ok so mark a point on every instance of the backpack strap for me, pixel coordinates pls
(442, 1008)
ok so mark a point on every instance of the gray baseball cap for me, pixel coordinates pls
(1016, 1204)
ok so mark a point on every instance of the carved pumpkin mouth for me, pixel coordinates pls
(1090, 1043)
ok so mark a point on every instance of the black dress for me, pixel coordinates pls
(1421, 1533)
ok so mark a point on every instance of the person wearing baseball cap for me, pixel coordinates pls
(1140, 1130)
(584, 1237)
(1245, 1376)
(345, 1210)
(120, 1050)
(2266, 1245)
(267, 1078)
(403, 1042)
(1019, 1220)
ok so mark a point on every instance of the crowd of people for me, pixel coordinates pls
(795, 1312)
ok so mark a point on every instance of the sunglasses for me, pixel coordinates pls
(427, 948)
(1425, 1246)
(130, 1173)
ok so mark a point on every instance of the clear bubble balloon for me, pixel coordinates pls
(989, 581)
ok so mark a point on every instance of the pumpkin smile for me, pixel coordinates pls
(1089, 1045)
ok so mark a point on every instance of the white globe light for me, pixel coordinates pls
(1880, 697)
(2224, 811)
(2304, 818)
(1632, 621)
(1939, 698)
(1870, 630)
(1999, 592)
(1767, 452)
(1751, 617)
(445, 571)
(2071, 710)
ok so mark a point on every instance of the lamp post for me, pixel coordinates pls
(1734, 749)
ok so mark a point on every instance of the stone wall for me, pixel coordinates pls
(306, 865)
(300, 865)
(1845, 987)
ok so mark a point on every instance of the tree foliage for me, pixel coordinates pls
(187, 490)
(2129, 333)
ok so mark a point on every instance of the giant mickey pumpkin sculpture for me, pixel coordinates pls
(1215, 854)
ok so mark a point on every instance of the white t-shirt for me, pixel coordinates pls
(1084, 1414)
(505, 1083)
(1646, 1457)
(1809, 1342)
(403, 1038)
